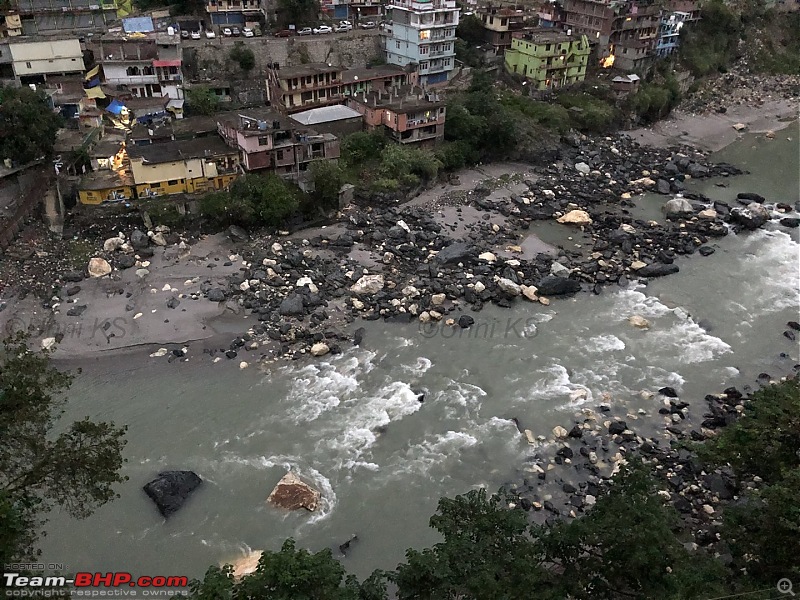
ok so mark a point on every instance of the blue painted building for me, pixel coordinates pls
(669, 32)
(423, 34)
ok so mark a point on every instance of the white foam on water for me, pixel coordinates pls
(631, 301)
(320, 387)
(556, 384)
(604, 343)
(420, 367)
(418, 459)
(459, 399)
(352, 429)
(768, 271)
(684, 342)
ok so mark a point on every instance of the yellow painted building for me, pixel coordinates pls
(167, 168)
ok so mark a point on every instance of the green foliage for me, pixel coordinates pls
(398, 162)
(243, 56)
(252, 201)
(468, 54)
(362, 147)
(328, 180)
(201, 100)
(470, 29)
(709, 45)
(290, 574)
(487, 553)
(588, 112)
(551, 116)
(654, 101)
(454, 155)
(763, 528)
(27, 125)
(297, 12)
(75, 470)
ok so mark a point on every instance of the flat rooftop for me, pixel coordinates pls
(104, 179)
(365, 74)
(325, 114)
(547, 36)
(180, 150)
(306, 70)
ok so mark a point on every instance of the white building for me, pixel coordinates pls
(32, 62)
(423, 33)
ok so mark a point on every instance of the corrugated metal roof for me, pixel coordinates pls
(325, 114)
(138, 25)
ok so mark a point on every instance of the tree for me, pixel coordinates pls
(328, 180)
(289, 574)
(363, 146)
(28, 126)
(201, 100)
(252, 200)
(470, 29)
(243, 56)
(75, 470)
(486, 554)
(297, 12)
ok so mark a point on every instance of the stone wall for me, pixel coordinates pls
(211, 60)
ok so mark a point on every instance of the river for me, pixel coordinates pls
(240, 430)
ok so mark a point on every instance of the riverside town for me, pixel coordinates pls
(400, 299)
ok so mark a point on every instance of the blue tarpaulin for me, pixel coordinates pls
(93, 83)
(115, 107)
(138, 25)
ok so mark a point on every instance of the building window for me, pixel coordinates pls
(279, 155)
(172, 182)
(425, 34)
(27, 64)
(446, 62)
(423, 49)
(398, 47)
(263, 141)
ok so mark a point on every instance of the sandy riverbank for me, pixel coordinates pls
(713, 132)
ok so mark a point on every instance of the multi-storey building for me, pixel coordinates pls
(669, 32)
(622, 32)
(549, 59)
(293, 89)
(408, 116)
(500, 23)
(270, 141)
(234, 12)
(32, 17)
(691, 7)
(422, 34)
(141, 64)
(32, 62)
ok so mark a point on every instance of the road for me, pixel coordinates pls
(223, 41)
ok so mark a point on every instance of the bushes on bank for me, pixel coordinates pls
(252, 201)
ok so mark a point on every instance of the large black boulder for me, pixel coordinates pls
(557, 286)
(751, 197)
(171, 489)
(657, 270)
(139, 239)
(455, 253)
(291, 306)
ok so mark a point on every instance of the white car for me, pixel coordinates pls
(247, 32)
(210, 34)
(226, 31)
(305, 31)
(322, 29)
(195, 35)
(368, 25)
(346, 24)
(341, 28)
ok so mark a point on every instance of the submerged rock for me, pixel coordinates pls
(752, 216)
(658, 270)
(171, 489)
(292, 493)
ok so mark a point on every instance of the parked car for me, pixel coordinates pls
(226, 31)
(195, 35)
(247, 32)
(341, 29)
(284, 33)
(346, 23)
(185, 34)
(305, 31)
(322, 29)
(210, 34)
(367, 25)
(236, 32)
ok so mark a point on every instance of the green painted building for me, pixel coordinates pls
(549, 59)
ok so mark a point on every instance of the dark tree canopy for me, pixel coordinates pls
(75, 470)
(28, 126)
